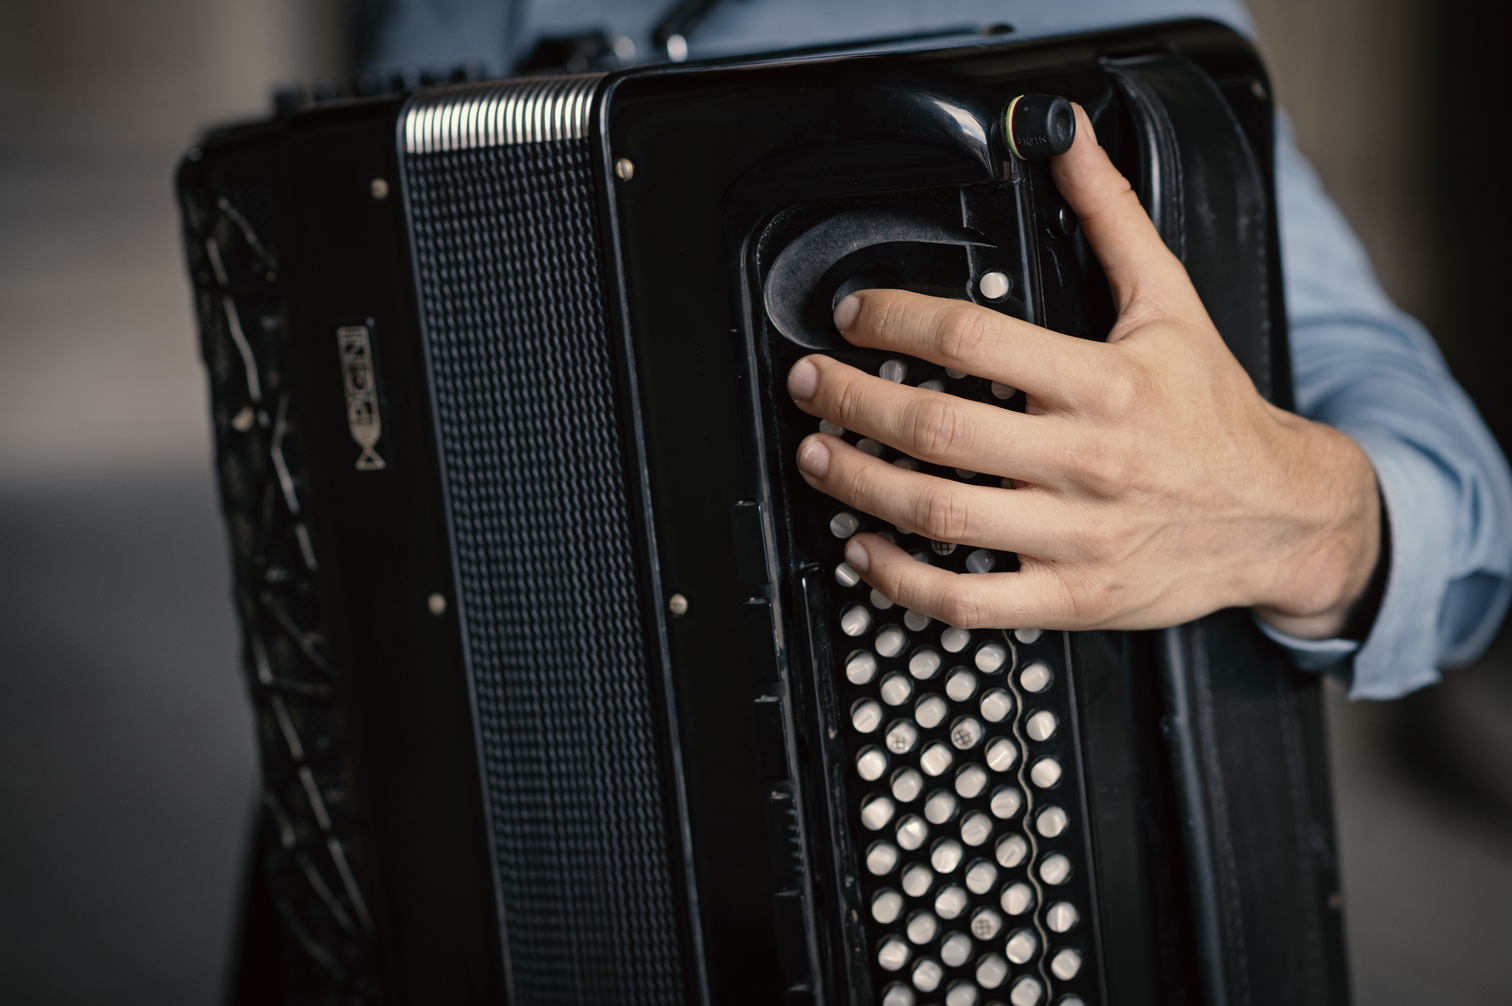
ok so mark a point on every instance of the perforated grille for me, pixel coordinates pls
(511, 294)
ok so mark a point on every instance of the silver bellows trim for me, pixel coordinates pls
(527, 110)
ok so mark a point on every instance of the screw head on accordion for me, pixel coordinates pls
(564, 690)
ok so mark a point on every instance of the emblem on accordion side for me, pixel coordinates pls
(361, 394)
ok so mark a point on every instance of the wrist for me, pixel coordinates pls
(1327, 573)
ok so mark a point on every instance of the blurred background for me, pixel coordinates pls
(126, 761)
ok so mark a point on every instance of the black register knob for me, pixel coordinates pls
(1039, 126)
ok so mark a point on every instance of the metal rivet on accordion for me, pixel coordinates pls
(379, 188)
(624, 169)
(951, 902)
(1066, 964)
(955, 950)
(678, 605)
(1017, 898)
(1022, 946)
(994, 285)
(437, 604)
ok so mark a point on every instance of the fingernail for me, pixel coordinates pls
(855, 554)
(813, 457)
(802, 380)
(846, 311)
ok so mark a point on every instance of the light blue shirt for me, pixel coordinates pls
(1359, 364)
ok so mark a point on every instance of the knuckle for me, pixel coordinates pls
(1124, 393)
(962, 606)
(941, 513)
(963, 332)
(938, 429)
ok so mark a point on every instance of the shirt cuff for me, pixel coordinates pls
(1397, 656)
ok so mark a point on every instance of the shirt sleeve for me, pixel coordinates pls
(1373, 372)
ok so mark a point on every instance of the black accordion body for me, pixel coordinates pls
(563, 692)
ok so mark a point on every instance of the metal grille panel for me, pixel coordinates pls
(511, 292)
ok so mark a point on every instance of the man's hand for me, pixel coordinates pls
(1152, 483)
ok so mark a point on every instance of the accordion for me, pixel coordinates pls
(562, 689)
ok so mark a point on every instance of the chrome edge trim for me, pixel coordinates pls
(498, 113)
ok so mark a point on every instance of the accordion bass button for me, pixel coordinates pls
(976, 828)
(955, 950)
(915, 621)
(855, 620)
(907, 784)
(930, 711)
(1036, 677)
(917, 880)
(981, 561)
(991, 971)
(896, 689)
(893, 370)
(881, 857)
(912, 832)
(960, 684)
(1028, 636)
(898, 994)
(951, 902)
(886, 906)
(996, 705)
(871, 762)
(1022, 946)
(935, 758)
(1001, 754)
(860, 667)
(1005, 802)
(1051, 822)
(1010, 852)
(1027, 991)
(901, 737)
(980, 876)
(866, 715)
(962, 994)
(1066, 964)
(954, 640)
(1062, 917)
(1055, 870)
(970, 781)
(986, 924)
(846, 575)
(946, 855)
(1041, 726)
(893, 954)
(922, 927)
(966, 733)
(890, 639)
(1017, 899)
(927, 975)
(844, 524)
(876, 811)
(990, 657)
(925, 663)
(1045, 773)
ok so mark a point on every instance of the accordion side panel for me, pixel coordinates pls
(511, 289)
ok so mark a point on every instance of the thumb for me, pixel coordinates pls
(1136, 260)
